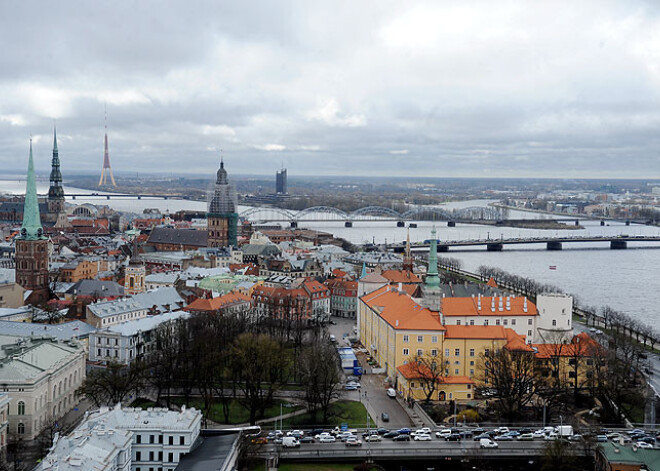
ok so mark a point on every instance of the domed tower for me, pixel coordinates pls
(135, 272)
(222, 218)
(32, 244)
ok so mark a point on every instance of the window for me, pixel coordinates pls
(405, 338)
(420, 338)
(554, 322)
(513, 322)
(529, 322)
(457, 352)
(420, 352)
(529, 333)
(458, 322)
(160, 456)
(486, 322)
(434, 353)
(182, 440)
(21, 408)
(152, 439)
(405, 351)
(138, 439)
(412, 384)
(505, 321)
(497, 322)
(138, 456)
(472, 363)
(456, 371)
(160, 439)
(457, 362)
(170, 457)
(472, 352)
(434, 339)
(471, 372)
(21, 428)
(446, 352)
(471, 321)
(486, 352)
(151, 456)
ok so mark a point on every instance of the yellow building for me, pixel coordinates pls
(400, 334)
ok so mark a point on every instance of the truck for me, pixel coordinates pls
(565, 430)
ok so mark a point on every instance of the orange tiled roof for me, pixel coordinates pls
(339, 273)
(401, 311)
(214, 304)
(470, 307)
(401, 276)
(516, 342)
(581, 344)
(475, 332)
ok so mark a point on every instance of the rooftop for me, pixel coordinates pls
(153, 418)
(146, 324)
(400, 311)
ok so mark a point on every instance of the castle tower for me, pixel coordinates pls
(407, 256)
(135, 272)
(32, 244)
(106, 170)
(222, 218)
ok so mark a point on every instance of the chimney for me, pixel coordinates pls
(397, 323)
(508, 303)
(525, 304)
(479, 303)
(400, 286)
(492, 304)
(501, 304)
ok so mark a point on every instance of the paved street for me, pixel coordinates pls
(376, 399)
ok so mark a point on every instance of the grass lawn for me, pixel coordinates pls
(237, 413)
(143, 403)
(351, 412)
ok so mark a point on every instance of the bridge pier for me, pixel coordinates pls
(627, 223)
(400, 224)
(494, 247)
(618, 244)
(602, 223)
(348, 224)
(294, 224)
(108, 197)
(577, 222)
(443, 248)
(451, 223)
(554, 245)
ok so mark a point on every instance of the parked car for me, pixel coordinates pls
(422, 437)
(649, 440)
(513, 434)
(385, 417)
(373, 438)
(643, 445)
(551, 436)
(327, 439)
(350, 387)
(382, 431)
(403, 437)
(353, 441)
(260, 440)
(354, 383)
(391, 393)
(601, 438)
(466, 434)
(576, 438)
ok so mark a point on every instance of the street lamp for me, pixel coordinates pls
(454, 393)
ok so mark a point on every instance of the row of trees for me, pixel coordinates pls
(225, 358)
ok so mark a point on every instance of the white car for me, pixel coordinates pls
(502, 430)
(643, 445)
(295, 433)
(423, 431)
(327, 439)
(444, 433)
(354, 384)
(551, 436)
(539, 434)
(324, 435)
(422, 437)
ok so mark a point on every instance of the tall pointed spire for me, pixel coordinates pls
(407, 256)
(432, 279)
(106, 170)
(31, 228)
(55, 191)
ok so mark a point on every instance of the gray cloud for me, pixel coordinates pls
(388, 88)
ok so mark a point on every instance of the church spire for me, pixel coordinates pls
(407, 256)
(31, 228)
(432, 279)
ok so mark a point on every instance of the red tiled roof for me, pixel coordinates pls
(401, 276)
(401, 311)
(215, 304)
(470, 306)
(413, 371)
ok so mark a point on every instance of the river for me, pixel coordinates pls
(627, 280)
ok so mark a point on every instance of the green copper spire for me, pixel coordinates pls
(432, 279)
(31, 228)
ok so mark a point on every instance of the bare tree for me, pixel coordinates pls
(429, 371)
(319, 366)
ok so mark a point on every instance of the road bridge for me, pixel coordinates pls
(552, 243)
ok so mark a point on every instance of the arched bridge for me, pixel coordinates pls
(372, 213)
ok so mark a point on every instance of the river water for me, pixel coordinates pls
(627, 280)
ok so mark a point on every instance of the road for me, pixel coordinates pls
(373, 391)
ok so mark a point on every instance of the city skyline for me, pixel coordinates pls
(418, 89)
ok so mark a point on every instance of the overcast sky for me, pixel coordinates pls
(557, 88)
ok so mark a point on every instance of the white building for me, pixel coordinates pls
(41, 376)
(161, 280)
(555, 321)
(160, 436)
(90, 447)
(107, 313)
(123, 343)
(4, 421)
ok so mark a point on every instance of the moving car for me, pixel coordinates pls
(504, 438)
(290, 442)
(353, 441)
(306, 440)
(373, 438)
(423, 430)
(350, 387)
(404, 430)
(391, 393)
(454, 437)
(404, 437)
(444, 433)
(385, 417)
(643, 445)
(422, 437)
(391, 434)
(327, 439)
(524, 437)
(354, 383)
(487, 443)
(324, 435)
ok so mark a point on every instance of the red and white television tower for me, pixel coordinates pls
(106, 170)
